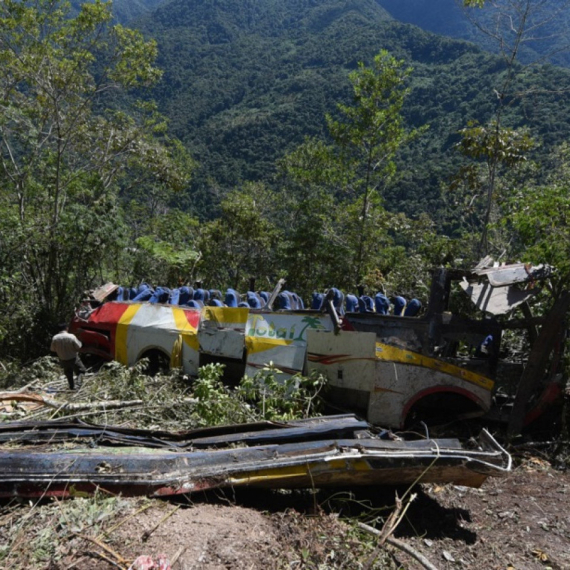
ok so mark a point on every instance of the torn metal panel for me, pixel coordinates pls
(513, 274)
(101, 293)
(496, 300)
(500, 275)
(329, 460)
(341, 426)
(222, 331)
(498, 295)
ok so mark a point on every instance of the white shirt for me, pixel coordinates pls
(65, 345)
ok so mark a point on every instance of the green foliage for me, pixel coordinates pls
(367, 138)
(244, 241)
(258, 79)
(539, 220)
(495, 144)
(217, 403)
(338, 227)
(168, 256)
(314, 248)
(264, 397)
(499, 149)
(49, 527)
(14, 376)
(164, 254)
(164, 398)
(278, 399)
(65, 153)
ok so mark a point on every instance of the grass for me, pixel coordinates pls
(44, 533)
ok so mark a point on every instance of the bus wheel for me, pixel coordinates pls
(158, 362)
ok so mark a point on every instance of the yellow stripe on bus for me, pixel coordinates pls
(394, 354)
(254, 344)
(331, 468)
(188, 333)
(121, 353)
(225, 315)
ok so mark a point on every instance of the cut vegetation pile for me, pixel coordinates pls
(128, 397)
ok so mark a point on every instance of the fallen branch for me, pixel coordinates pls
(178, 554)
(19, 397)
(401, 545)
(80, 406)
(390, 526)
(107, 559)
(68, 406)
(107, 549)
(146, 534)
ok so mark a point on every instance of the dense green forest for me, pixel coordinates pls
(125, 11)
(317, 140)
(244, 83)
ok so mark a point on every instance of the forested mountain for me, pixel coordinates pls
(125, 11)
(548, 24)
(246, 81)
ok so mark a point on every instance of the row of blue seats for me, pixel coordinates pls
(285, 301)
(198, 298)
(190, 297)
(380, 304)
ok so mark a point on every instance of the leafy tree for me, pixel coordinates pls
(539, 219)
(512, 25)
(243, 242)
(348, 176)
(369, 135)
(316, 253)
(168, 255)
(495, 147)
(65, 152)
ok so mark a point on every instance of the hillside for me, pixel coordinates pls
(548, 25)
(246, 81)
(126, 11)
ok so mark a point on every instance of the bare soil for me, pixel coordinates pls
(520, 522)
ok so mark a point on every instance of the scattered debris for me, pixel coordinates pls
(145, 562)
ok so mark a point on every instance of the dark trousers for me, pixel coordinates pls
(71, 366)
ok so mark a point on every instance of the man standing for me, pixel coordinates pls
(66, 346)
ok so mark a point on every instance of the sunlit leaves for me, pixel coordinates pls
(496, 144)
(538, 217)
(244, 241)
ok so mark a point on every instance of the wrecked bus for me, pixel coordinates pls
(393, 370)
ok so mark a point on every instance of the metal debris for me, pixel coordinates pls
(71, 458)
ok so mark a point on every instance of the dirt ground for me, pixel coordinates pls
(520, 522)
